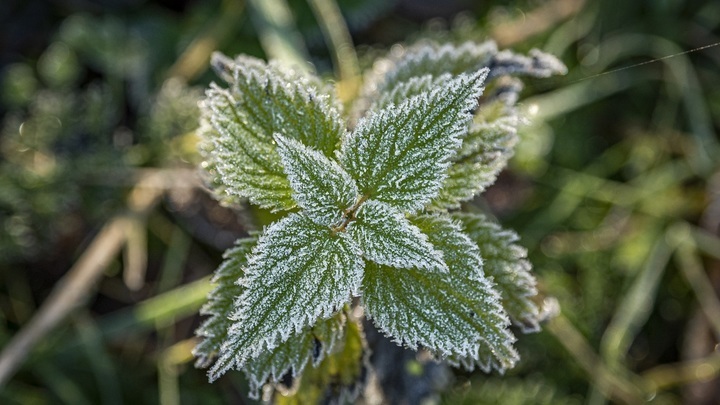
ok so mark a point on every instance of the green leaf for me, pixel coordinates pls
(338, 378)
(262, 100)
(321, 187)
(507, 263)
(483, 154)
(536, 64)
(430, 58)
(312, 344)
(220, 305)
(241, 165)
(299, 272)
(285, 101)
(415, 69)
(454, 315)
(407, 89)
(400, 155)
(386, 237)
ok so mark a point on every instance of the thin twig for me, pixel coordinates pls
(636, 305)
(278, 35)
(69, 292)
(347, 68)
(671, 375)
(691, 266)
(194, 59)
(135, 253)
(614, 384)
(72, 290)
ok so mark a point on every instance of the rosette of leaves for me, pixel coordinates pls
(366, 214)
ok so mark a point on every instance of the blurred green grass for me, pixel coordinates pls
(614, 189)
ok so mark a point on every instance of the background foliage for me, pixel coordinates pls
(614, 189)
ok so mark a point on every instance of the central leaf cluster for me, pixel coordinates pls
(367, 214)
(354, 205)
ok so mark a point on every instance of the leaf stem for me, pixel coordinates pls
(349, 214)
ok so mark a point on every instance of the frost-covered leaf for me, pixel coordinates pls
(239, 124)
(312, 344)
(455, 314)
(386, 237)
(506, 262)
(411, 71)
(483, 154)
(321, 187)
(285, 101)
(395, 74)
(299, 272)
(400, 155)
(338, 378)
(405, 90)
(536, 64)
(241, 165)
(429, 58)
(220, 305)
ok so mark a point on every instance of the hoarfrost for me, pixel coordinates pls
(455, 314)
(386, 237)
(298, 273)
(425, 129)
(507, 263)
(320, 186)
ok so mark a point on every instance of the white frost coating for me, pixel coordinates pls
(537, 64)
(455, 314)
(386, 237)
(320, 186)
(293, 355)
(246, 166)
(220, 304)
(272, 137)
(407, 89)
(429, 58)
(507, 263)
(400, 155)
(483, 154)
(299, 272)
(263, 99)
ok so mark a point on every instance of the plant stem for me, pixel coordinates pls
(277, 32)
(337, 36)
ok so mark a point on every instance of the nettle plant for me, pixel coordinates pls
(371, 221)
